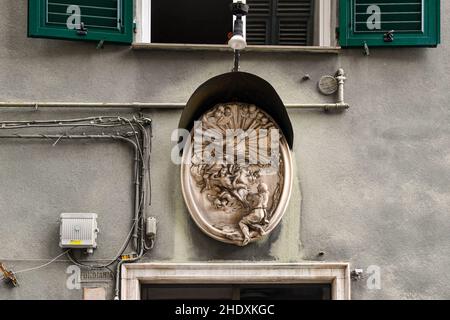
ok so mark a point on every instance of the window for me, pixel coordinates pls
(389, 23)
(107, 20)
(269, 22)
(297, 23)
(199, 21)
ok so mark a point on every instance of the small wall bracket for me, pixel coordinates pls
(82, 30)
(366, 49)
(8, 276)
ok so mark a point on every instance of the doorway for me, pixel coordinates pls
(239, 280)
(236, 292)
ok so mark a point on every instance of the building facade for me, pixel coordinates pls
(370, 188)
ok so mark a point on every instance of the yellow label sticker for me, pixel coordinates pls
(75, 241)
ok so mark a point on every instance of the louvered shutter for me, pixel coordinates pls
(259, 21)
(294, 22)
(389, 22)
(108, 20)
(280, 22)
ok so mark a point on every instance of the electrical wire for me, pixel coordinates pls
(38, 267)
(50, 262)
(42, 266)
(141, 171)
(149, 143)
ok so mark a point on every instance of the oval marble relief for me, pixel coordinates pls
(236, 173)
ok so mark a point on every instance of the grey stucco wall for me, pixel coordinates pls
(374, 180)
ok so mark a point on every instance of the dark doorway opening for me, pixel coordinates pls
(236, 292)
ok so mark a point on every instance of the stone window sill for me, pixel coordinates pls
(250, 48)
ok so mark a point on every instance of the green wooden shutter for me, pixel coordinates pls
(279, 22)
(108, 20)
(294, 22)
(371, 22)
(258, 23)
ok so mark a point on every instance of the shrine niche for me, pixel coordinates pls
(236, 170)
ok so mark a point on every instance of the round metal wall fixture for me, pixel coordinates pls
(236, 173)
(328, 85)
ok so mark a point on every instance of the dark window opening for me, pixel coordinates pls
(236, 292)
(193, 22)
(280, 22)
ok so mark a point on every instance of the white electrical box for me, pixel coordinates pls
(79, 231)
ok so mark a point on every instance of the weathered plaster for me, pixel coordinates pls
(374, 180)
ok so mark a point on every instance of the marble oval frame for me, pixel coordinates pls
(198, 217)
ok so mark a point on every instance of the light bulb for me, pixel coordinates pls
(237, 42)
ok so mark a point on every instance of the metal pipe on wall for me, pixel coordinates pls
(340, 105)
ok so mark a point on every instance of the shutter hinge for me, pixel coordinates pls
(366, 49)
(389, 36)
(100, 44)
(82, 30)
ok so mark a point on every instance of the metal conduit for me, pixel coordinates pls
(141, 168)
(339, 105)
(152, 105)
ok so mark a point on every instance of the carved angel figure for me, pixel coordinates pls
(257, 217)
